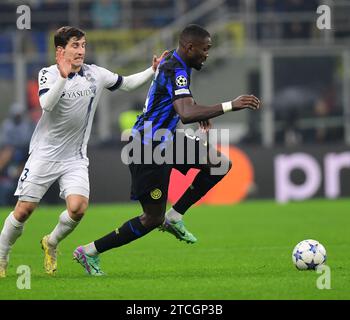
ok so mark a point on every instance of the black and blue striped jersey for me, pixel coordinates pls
(171, 82)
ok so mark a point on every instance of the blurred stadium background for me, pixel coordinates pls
(269, 48)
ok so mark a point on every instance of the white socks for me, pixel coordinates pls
(64, 227)
(173, 215)
(12, 230)
(10, 233)
(90, 249)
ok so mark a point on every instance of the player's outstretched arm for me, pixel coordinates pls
(136, 80)
(190, 112)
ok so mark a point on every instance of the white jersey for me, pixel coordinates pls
(62, 134)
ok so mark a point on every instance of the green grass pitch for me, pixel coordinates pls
(243, 252)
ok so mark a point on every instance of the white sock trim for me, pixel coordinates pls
(90, 249)
(10, 232)
(68, 218)
(64, 227)
(173, 215)
(14, 221)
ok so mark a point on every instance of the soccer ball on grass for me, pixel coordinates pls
(308, 255)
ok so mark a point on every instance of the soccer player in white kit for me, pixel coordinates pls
(69, 92)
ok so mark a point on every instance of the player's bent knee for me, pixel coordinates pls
(23, 210)
(77, 202)
(77, 208)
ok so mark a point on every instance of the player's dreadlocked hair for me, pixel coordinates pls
(193, 32)
(64, 34)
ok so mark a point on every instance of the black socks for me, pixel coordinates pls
(201, 184)
(128, 232)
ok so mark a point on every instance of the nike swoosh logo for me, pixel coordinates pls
(182, 233)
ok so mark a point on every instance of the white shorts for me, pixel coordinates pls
(39, 175)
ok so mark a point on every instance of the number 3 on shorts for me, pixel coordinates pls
(24, 174)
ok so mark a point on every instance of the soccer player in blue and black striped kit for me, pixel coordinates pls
(169, 100)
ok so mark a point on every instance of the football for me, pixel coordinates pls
(308, 255)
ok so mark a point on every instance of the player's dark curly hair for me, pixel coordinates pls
(64, 34)
(193, 32)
